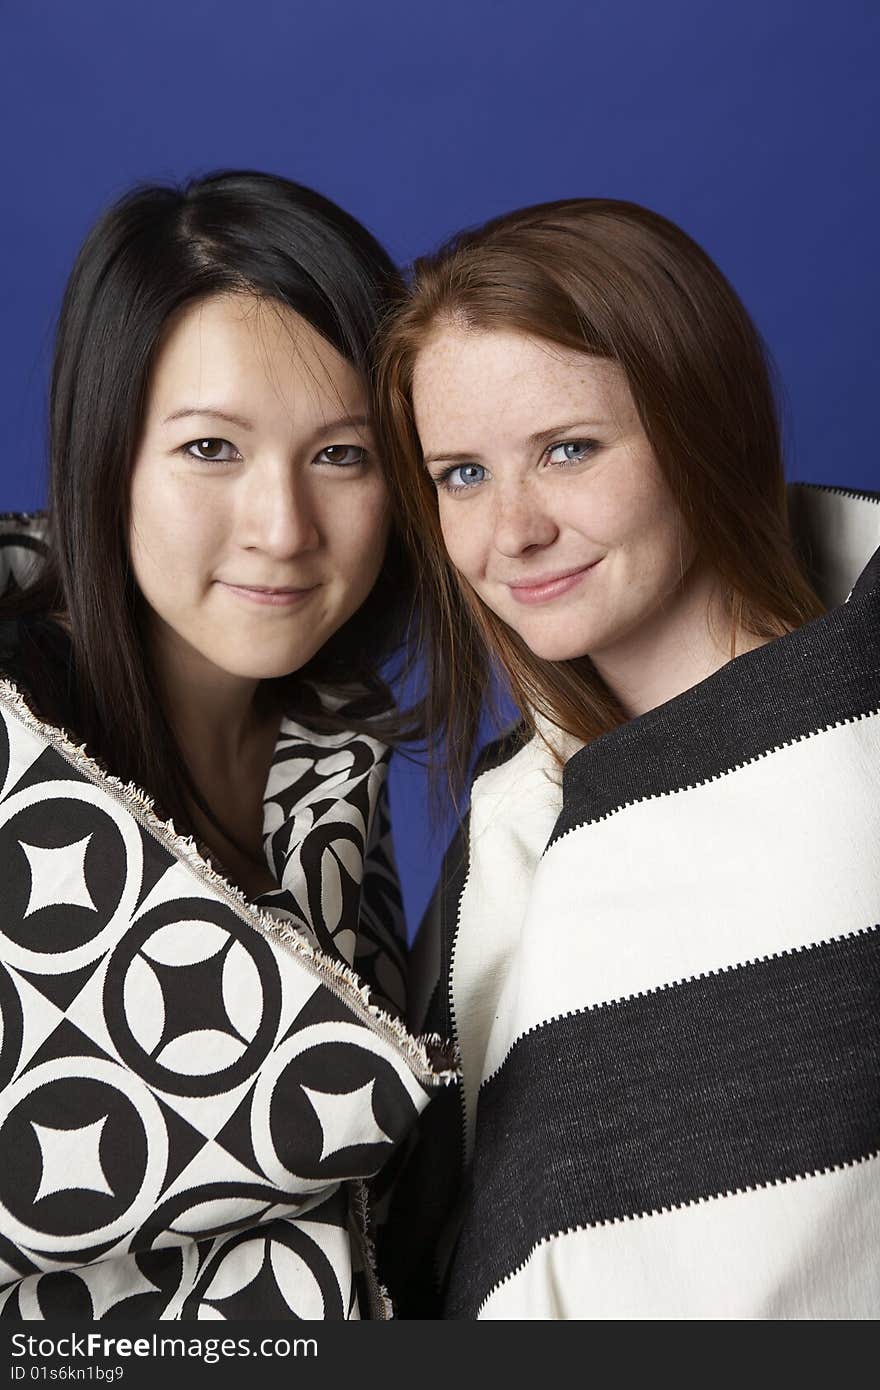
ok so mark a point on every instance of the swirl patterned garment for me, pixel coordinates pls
(195, 1089)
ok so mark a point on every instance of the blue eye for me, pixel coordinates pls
(212, 450)
(465, 475)
(572, 451)
(342, 455)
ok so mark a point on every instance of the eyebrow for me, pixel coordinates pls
(208, 410)
(212, 412)
(343, 422)
(541, 437)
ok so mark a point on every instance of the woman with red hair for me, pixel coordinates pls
(658, 929)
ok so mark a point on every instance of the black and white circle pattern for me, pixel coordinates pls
(192, 998)
(83, 1128)
(184, 1098)
(278, 1272)
(331, 1102)
(72, 861)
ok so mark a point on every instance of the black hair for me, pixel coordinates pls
(156, 250)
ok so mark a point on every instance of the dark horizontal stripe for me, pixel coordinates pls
(735, 1080)
(822, 674)
(20, 540)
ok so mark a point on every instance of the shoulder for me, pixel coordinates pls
(35, 651)
(518, 774)
(36, 655)
(502, 749)
(837, 532)
(515, 799)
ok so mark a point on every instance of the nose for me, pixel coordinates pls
(522, 521)
(278, 515)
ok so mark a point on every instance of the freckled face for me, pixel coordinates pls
(551, 502)
(259, 514)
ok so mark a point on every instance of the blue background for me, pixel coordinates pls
(754, 126)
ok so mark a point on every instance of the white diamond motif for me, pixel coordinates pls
(111, 1281)
(58, 876)
(71, 1159)
(346, 1118)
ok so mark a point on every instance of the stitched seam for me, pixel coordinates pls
(841, 492)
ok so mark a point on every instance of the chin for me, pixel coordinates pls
(554, 646)
(275, 670)
(267, 666)
(557, 651)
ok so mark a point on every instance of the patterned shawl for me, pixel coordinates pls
(195, 1088)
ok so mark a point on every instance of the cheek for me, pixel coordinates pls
(462, 535)
(153, 528)
(360, 527)
(661, 536)
(636, 510)
(654, 556)
(171, 536)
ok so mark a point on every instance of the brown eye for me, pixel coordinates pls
(212, 450)
(342, 455)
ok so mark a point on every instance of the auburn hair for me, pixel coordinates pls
(621, 283)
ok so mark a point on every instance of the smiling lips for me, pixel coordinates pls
(550, 586)
(273, 598)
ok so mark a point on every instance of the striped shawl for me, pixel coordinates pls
(663, 973)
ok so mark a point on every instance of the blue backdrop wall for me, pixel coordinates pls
(752, 125)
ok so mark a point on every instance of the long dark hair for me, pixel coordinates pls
(619, 282)
(157, 249)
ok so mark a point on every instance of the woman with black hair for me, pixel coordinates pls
(202, 1060)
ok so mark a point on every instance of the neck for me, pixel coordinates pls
(688, 639)
(227, 736)
(213, 714)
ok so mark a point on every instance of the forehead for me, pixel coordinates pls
(466, 380)
(258, 351)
